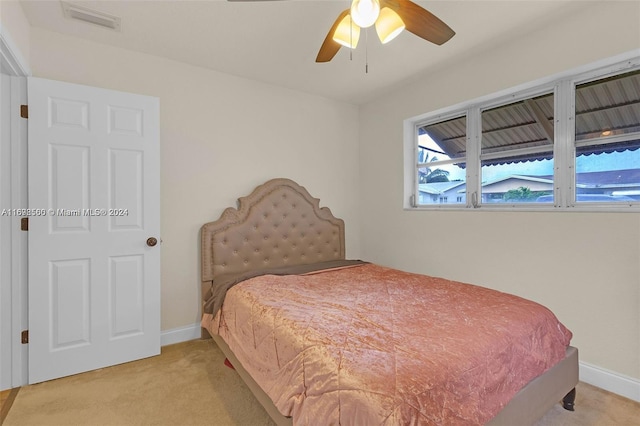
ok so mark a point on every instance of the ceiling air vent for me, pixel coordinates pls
(91, 16)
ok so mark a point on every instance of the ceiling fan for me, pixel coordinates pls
(390, 18)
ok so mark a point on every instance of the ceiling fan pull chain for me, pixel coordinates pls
(366, 52)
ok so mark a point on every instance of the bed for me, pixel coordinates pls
(320, 339)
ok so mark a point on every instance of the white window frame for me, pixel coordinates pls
(506, 100)
(563, 87)
(587, 77)
(416, 165)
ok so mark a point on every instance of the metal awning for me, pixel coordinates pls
(605, 109)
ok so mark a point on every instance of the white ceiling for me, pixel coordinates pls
(277, 41)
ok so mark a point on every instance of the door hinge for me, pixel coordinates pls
(24, 337)
(24, 224)
(24, 111)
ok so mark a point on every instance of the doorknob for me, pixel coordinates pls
(151, 241)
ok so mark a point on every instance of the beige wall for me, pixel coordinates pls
(584, 266)
(220, 137)
(14, 24)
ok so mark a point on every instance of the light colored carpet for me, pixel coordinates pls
(189, 385)
(594, 407)
(186, 385)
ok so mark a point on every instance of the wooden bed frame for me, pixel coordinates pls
(281, 224)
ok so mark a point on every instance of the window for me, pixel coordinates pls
(441, 162)
(517, 151)
(569, 142)
(607, 139)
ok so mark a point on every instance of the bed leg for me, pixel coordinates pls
(569, 400)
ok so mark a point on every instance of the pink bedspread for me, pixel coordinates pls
(371, 345)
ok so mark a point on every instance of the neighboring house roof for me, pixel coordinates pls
(540, 179)
(436, 188)
(607, 179)
(508, 183)
(629, 178)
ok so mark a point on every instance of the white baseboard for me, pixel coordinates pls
(591, 374)
(610, 381)
(180, 334)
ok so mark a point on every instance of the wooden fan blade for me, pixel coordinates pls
(420, 21)
(329, 47)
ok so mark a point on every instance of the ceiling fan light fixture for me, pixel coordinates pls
(389, 25)
(347, 33)
(365, 12)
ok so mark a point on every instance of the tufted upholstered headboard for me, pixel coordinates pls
(278, 224)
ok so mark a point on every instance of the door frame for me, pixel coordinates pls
(14, 248)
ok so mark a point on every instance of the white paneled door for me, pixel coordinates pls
(94, 224)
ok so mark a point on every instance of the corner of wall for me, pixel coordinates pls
(15, 39)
